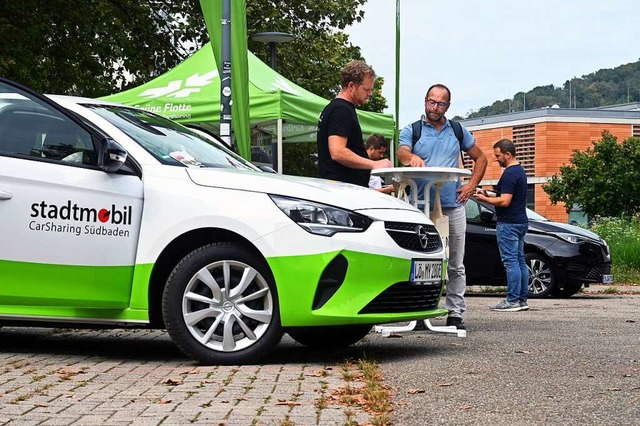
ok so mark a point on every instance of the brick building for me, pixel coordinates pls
(545, 139)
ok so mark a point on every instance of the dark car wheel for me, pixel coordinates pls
(329, 337)
(220, 305)
(542, 281)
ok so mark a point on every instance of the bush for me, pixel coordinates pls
(623, 236)
(297, 159)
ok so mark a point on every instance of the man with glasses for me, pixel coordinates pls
(438, 146)
(341, 152)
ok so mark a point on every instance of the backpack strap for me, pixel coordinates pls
(416, 132)
(457, 130)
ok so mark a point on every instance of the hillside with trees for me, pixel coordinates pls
(607, 86)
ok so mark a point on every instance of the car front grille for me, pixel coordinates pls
(414, 236)
(597, 271)
(405, 297)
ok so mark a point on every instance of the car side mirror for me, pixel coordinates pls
(487, 215)
(112, 155)
(267, 169)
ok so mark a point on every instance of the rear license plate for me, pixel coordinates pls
(607, 279)
(425, 271)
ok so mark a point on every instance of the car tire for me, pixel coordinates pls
(567, 290)
(542, 280)
(329, 337)
(220, 305)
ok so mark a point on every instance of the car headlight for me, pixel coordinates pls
(321, 219)
(572, 238)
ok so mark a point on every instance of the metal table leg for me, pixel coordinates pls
(386, 331)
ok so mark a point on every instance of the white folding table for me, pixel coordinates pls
(404, 178)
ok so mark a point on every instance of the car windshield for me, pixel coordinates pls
(536, 216)
(168, 141)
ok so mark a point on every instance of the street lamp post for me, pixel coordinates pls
(272, 38)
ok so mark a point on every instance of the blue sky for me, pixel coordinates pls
(488, 50)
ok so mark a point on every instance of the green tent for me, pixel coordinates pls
(280, 110)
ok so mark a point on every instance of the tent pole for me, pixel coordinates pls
(279, 150)
(396, 132)
(225, 77)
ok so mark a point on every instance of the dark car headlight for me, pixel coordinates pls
(321, 219)
(572, 238)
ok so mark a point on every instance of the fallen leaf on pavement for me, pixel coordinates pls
(523, 352)
(69, 371)
(415, 390)
(394, 336)
(173, 381)
(441, 385)
(281, 402)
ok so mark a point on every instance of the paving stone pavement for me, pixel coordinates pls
(138, 377)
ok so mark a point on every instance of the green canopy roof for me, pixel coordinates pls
(190, 93)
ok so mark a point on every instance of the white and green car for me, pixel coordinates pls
(114, 216)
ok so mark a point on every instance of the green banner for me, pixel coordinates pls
(212, 10)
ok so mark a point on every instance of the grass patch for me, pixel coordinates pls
(365, 388)
(623, 236)
(625, 275)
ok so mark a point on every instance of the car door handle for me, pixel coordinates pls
(4, 195)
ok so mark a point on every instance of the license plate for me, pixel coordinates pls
(423, 271)
(607, 279)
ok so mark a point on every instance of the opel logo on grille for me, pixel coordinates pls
(422, 236)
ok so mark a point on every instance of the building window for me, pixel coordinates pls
(635, 132)
(531, 196)
(467, 162)
(524, 137)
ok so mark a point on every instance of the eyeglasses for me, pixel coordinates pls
(433, 103)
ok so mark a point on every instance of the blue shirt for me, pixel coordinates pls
(438, 149)
(513, 181)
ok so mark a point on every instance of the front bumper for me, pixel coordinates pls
(364, 280)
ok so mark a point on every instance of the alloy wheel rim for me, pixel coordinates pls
(539, 276)
(227, 306)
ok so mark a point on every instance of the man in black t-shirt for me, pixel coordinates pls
(510, 201)
(341, 152)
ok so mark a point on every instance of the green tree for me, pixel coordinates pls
(93, 47)
(602, 179)
(96, 47)
(319, 49)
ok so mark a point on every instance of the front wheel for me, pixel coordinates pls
(329, 337)
(542, 281)
(220, 305)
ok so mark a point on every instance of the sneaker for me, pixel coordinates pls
(523, 305)
(456, 322)
(506, 306)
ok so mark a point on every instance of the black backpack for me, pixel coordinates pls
(416, 132)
